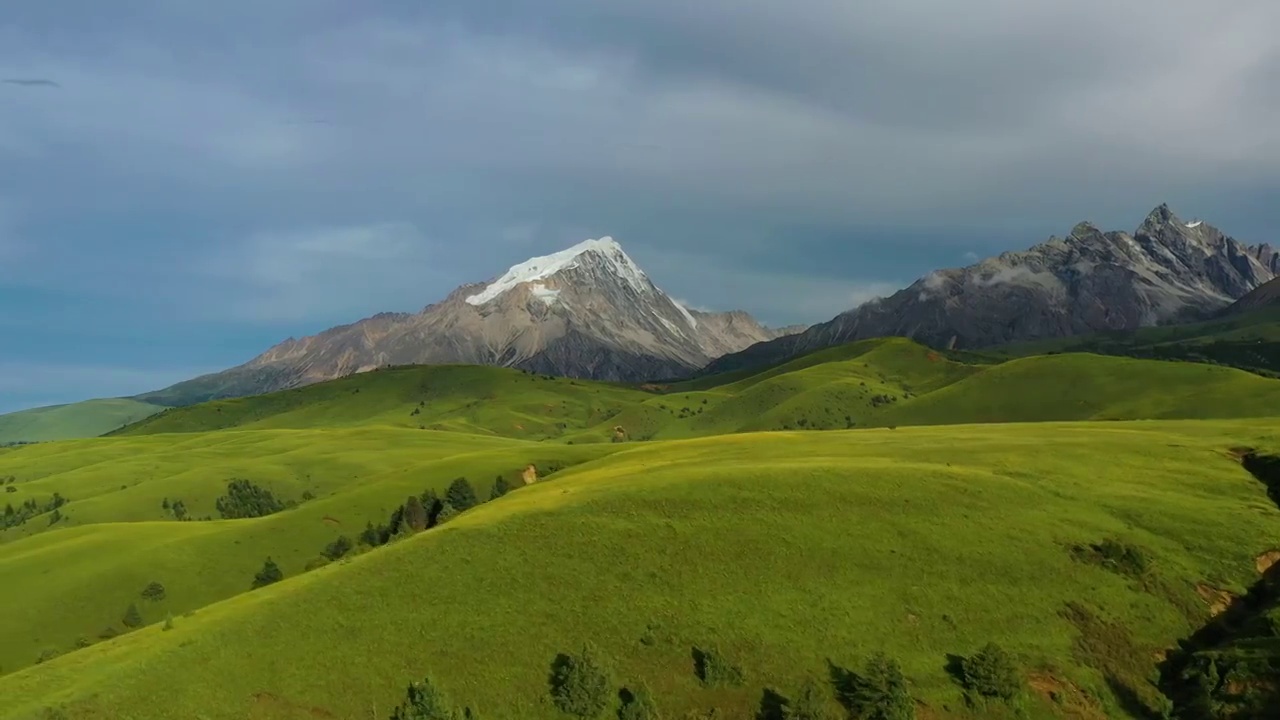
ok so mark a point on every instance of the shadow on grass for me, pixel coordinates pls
(773, 706)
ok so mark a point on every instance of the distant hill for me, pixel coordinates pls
(77, 420)
(1263, 296)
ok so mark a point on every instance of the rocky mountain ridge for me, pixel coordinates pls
(588, 311)
(1166, 271)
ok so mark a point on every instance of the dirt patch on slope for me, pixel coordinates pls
(1266, 561)
(1065, 695)
(1219, 600)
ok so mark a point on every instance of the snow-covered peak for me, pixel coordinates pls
(1195, 223)
(540, 268)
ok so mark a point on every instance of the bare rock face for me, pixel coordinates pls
(588, 311)
(1166, 271)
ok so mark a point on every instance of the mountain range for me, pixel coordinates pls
(1167, 271)
(587, 312)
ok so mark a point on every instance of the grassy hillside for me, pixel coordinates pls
(465, 398)
(78, 420)
(1247, 340)
(784, 551)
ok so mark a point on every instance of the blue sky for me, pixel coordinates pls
(196, 181)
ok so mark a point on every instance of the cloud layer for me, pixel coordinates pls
(269, 168)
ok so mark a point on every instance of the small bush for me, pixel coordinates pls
(425, 701)
(269, 574)
(447, 513)
(809, 704)
(879, 692)
(638, 705)
(1115, 555)
(580, 684)
(338, 548)
(992, 673)
(168, 623)
(714, 670)
(500, 487)
(108, 633)
(154, 592)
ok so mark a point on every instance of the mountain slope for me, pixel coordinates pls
(77, 420)
(1264, 296)
(1089, 281)
(587, 312)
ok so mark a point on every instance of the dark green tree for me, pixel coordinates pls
(639, 706)
(338, 548)
(415, 514)
(714, 670)
(425, 701)
(500, 487)
(809, 704)
(132, 618)
(580, 684)
(461, 495)
(992, 673)
(154, 592)
(880, 692)
(247, 500)
(270, 573)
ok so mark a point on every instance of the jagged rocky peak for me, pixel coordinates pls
(602, 254)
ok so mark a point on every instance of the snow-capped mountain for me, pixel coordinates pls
(1166, 271)
(588, 311)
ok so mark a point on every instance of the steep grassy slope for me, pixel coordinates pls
(78, 420)
(74, 578)
(783, 550)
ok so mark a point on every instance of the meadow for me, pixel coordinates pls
(972, 514)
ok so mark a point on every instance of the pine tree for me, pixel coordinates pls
(415, 515)
(270, 573)
(132, 618)
(880, 693)
(461, 495)
(500, 487)
(580, 685)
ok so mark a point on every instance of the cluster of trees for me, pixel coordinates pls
(177, 507)
(418, 513)
(244, 499)
(581, 685)
(15, 516)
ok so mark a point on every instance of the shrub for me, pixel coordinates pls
(810, 703)
(108, 633)
(247, 500)
(154, 592)
(580, 684)
(10, 489)
(168, 623)
(461, 495)
(132, 618)
(880, 692)
(415, 515)
(714, 670)
(500, 487)
(82, 642)
(991, 673)
(338, 548)
(638, 705)
(447, 513)
(424, 701)
(269, 574)
(1115, 555)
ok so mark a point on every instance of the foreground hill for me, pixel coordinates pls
(783, 552)
(77, 420)
(1165, 271)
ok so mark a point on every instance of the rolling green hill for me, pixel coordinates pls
(702, 525)
(77, 420)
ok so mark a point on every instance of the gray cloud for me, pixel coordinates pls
(710, 129)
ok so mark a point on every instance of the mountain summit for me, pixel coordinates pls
(588, 311)
(1166, 271)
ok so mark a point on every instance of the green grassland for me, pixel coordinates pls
(1248, 340)
(950, 515)
(78, 420)
(783, 550)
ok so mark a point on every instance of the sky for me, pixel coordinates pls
(184, 183)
